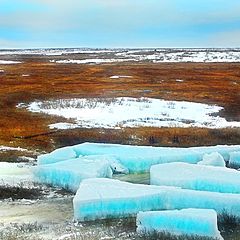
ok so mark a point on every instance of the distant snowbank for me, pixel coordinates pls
(131, 112)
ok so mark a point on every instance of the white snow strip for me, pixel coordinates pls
(116, 77)
(93, 61)
(54, 52)
(63, 126)
(5, 148)
(8, 62)
(131, 112)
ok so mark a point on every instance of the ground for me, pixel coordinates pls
(203, 82)
(38, 79)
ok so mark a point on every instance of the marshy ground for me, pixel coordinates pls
(38, 79)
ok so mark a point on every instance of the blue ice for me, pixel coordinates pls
(196, 177)
(107, 198)
(200, 222)
(68, 174)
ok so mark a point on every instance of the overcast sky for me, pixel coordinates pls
(119, 23)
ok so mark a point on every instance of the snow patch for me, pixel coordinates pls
(14, 174)
(5, 148)
(121, 76)
(135, 112)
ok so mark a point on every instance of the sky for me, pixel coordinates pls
(119, 23)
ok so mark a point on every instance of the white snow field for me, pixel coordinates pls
(136, 158)
(15, 174)
(102, 198)
(68, 174)
(200, 222)
(116, 113)
(234, 159)
(196, 177)
(213, 159)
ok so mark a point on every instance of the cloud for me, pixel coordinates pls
(95, 22)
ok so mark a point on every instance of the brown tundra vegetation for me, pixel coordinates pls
(38, 79)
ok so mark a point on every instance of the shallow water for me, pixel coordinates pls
(55, 215)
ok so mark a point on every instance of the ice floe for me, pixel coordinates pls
(234, 159)
(107, 198)
(68, 174)
(131, 112)
(196, 177)
(136, 158)
(200, 222)
(60, 154)
(213, 159)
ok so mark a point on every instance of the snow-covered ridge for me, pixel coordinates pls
(131, 112)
